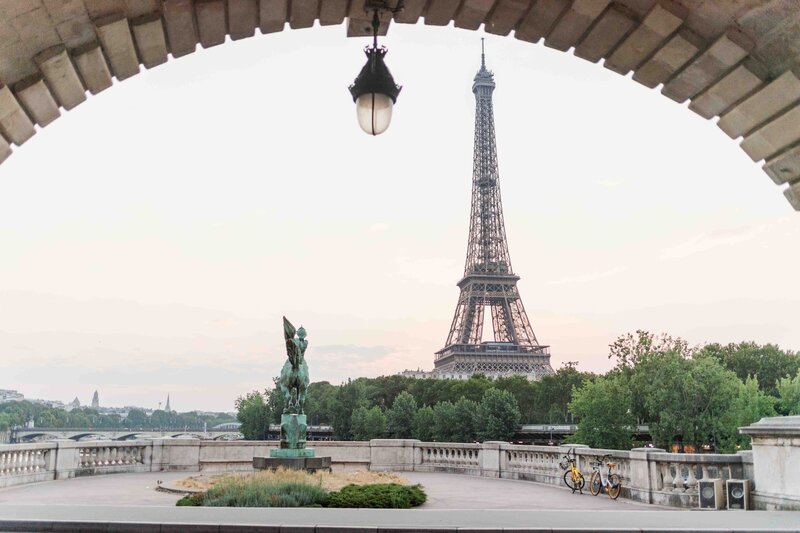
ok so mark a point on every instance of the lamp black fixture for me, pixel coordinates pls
(374, 90)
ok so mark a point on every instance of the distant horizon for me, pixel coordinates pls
(153, 237)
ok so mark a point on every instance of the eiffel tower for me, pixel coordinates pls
(488, 278)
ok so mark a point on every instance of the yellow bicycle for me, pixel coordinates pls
(573, 477)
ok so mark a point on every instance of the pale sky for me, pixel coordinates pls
(151, 238)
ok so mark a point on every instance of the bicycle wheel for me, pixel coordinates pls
(614, 487)
(595, 483)
(574, 484)
(581, 481)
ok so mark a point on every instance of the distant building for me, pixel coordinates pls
(95, 401)
(55, 404)
(74, 404)
(166, 407)
(10, 395)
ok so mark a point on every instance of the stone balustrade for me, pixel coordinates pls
(650, 475)
(26, 464)
(450, 457)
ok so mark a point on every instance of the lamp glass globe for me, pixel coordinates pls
(374, 112)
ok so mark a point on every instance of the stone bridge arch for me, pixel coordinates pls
(235, 435)
(736, 60)
(33, 437)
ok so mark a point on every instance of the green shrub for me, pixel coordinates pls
(191, 500)
(252, 493)
(379, 496)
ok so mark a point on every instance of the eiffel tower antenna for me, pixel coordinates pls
(489, 281)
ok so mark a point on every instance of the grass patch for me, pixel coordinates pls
(261, 493)
(191, 500)
(296, 488)
(328, 480)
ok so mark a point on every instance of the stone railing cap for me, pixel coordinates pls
(774, 425)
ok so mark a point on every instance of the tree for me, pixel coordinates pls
(46, 419)
(137, 419)
(465, 423)
(320, 399)
(768, 362)
(160, 419)
(5, 422)
(431, 391)
(689, 398)
(629, 349)
(553, 394)
(603, 406)
(400, 418)
(789, 395)
(253, 413)
(750, 405)
(472, 389)
(424, 424)
(383, 390)
(498, 416)
(368, 424)
(276, 403)
(444, 427)
(349, 397)
(524, 391)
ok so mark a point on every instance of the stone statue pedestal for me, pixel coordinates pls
(293, 452)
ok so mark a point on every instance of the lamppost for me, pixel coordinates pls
(374, 90)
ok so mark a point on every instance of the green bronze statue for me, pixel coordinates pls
(294, 375)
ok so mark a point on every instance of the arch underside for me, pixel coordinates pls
(736, 60)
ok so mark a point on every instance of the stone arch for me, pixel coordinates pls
(187, 434)
(77, 437)
(33, 437)
(229, 436)
(127, 436)
(734, 60)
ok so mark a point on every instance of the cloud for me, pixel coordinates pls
(610, 184)
(352, 351)
(586, 278)
(378, 227)
(429, 270)
(704, 242)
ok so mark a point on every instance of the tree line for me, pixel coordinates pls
(687, 395)
(18, 413)
(433, 409)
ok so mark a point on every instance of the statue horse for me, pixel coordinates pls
(294, 374)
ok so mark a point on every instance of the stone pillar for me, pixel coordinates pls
(776, 454)
(491, 451)
(67, 458)
(643, 474)
(392, 454)
(158, 455)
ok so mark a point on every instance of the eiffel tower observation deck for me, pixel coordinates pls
(489, 284)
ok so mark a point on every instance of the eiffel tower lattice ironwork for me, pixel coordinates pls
(489, 281)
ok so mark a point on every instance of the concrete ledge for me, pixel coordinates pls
(143, 519)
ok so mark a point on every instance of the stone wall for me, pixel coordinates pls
(649, 475)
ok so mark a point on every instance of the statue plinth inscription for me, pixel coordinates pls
(293, 384)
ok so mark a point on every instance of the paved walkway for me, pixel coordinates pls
(457, 504)
(445, 491)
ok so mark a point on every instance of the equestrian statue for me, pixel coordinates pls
(294, 375)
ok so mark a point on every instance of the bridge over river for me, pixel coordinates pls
(527, 433)
(22, 435)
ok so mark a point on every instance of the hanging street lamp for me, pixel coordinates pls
(374, 90)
